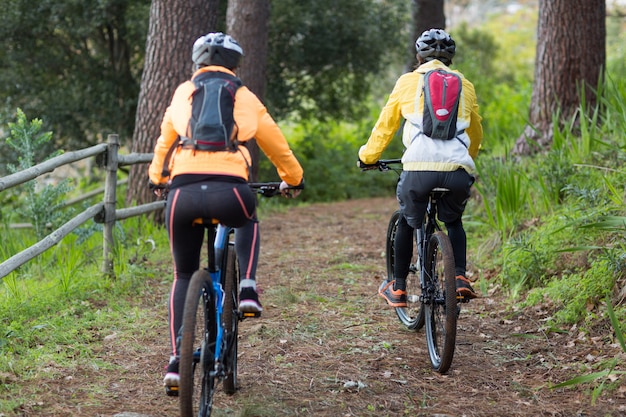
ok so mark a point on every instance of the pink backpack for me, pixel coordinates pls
(442, 92)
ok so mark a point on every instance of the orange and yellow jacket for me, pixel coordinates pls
(253, 122)
(423, 153)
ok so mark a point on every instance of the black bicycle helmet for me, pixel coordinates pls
(216, 49)
(436, 44)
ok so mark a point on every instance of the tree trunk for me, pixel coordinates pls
(427, 14)
(248, 22)
(570, 60)
(174, 26)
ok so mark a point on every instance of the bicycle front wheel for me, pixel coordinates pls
(197, 348)
(440, 301)
(412, 316)
(230, 318)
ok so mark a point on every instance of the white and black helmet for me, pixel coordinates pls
(216, 48)
(436, 44)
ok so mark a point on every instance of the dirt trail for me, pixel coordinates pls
(328, 346)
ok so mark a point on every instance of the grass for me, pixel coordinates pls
(52, 323)
(550, 228)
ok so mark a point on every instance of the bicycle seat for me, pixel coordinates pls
(205, 222)
(438, 192)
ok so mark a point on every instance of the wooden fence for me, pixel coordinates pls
(104, 212)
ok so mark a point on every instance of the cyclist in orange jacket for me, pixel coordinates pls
(213, 184)
(428, 163)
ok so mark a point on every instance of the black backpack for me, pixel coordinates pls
(212, 124)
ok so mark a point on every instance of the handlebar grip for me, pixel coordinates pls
(367, 167)
(266, 189)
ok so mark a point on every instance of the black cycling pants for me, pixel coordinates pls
(233, 204)
(413, 190)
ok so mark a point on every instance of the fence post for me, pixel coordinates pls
(110, 199)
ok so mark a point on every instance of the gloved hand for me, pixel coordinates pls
(159, 190)
(290, 191)
(366, 167)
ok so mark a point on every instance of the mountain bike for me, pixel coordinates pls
(208, 336)
(431, 285)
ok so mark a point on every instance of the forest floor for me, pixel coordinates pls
(327, 344)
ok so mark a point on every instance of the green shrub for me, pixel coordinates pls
(577, 296)
(41, 204)
(328, 153)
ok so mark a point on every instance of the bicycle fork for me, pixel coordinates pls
(219, 310)
(420, 234)
(219, 237)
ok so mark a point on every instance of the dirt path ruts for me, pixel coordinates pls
(328, 346)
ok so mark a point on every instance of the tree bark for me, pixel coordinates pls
(248, 22)
(569, 62)
(174, 26)
(427, 14)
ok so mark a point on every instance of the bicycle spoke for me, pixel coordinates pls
(230, 319)
(197, 382)
(412, 315)
(440, 300)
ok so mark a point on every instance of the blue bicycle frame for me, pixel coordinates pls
(220, 235)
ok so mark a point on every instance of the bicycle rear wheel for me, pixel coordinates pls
(412, 316)
(230, 318)
(440, 302)
(197, 348)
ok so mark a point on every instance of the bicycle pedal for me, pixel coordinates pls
(171, 391)
(247, 315)
(462, 299)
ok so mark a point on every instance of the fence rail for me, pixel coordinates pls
(104, 212)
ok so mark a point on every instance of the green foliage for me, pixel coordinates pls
(328, 153)
(516, 36)
(599, 379)
(325, 54)
(616, 323)
(43, 203)
(510, 191)
(475, 57)
(578, 294)
(485, 60)
(58, 308)
(75, 64)
(26, 141)
(558, 217)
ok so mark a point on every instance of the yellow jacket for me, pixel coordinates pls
(423, 153)
(253, 122)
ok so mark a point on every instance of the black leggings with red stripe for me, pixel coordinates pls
(413, 193)
(226, 199)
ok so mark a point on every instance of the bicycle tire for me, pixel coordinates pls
(440, 302)
(411, 316)
(230, 319)
(199, 331)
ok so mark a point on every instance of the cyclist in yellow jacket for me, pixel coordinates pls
(206, 184)
(428, 163)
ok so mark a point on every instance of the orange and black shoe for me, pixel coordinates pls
(464, 289)
(172, 379)
(395, 298)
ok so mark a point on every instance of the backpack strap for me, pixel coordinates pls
(168, 156)
(199, 79)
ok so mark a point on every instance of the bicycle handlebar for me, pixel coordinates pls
(270, 189)
(266, 189)
(381, 164)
